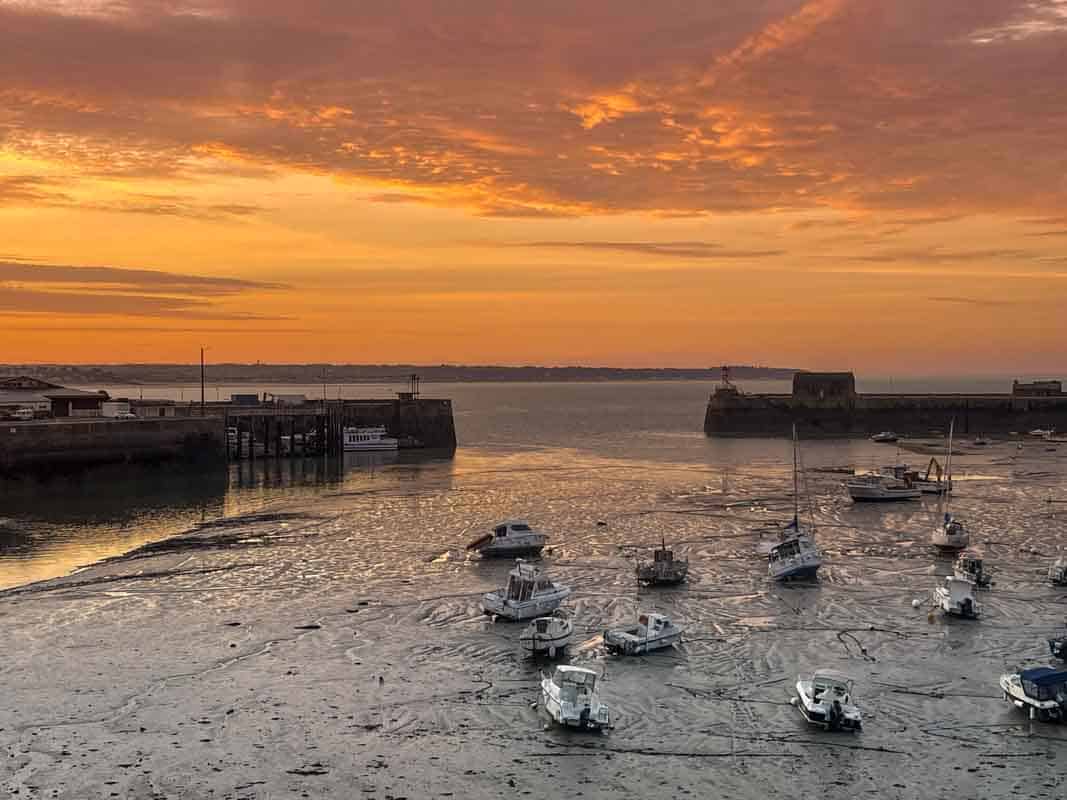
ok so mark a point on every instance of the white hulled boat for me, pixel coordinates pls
(1057, 572)
(652, 632)
(571, 698)
(1041, 691)
(528, 594)
(373, 437)
(796, 555)
(824, 698)
(885, 437)
(956, 597)
(509, 539)
(951, 534)
(880, 489)
(547, 635)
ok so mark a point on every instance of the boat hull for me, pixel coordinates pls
(867, 495)
(512, 551)
(367, 447)
(547, 646)
(801, 572)
(625, 645)
(586, 717)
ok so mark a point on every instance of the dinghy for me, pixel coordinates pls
(824, 698)
(652, 632)
(570, 697)
(1041, 691)
(528, 594)
(663, 569)
(547, 636)
(508, 540)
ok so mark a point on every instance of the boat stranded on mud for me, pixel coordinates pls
(528, 594)
(824, 698)
(508, 540)
(569, 695)
(652, 632)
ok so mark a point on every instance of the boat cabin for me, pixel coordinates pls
(654, 623)
(575, 684)
(1044, 683)
(830, 685)
(525, 581)
(663, 556)
(501, 531)
(790, 548)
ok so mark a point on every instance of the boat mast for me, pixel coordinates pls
(948, 458)
(796, 492)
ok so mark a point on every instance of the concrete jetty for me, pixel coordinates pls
(826, 404)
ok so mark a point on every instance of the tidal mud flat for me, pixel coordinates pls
(334, 646)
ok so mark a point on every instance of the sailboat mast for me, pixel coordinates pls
(796, 491)
(948, 458)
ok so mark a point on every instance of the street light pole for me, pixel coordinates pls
(201, 381)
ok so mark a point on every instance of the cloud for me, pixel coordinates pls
(972, 301)
(142, 280)
(31, 301)
(548, 110)
(684, 249)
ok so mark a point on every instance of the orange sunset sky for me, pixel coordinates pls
(869, 184)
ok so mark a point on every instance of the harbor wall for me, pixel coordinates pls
(736, 414)
(76, 443)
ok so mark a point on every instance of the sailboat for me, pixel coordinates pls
(951, 534)
(796, 556)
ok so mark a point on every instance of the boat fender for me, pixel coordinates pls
(552, 651)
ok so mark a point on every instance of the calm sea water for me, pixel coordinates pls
(520, 444)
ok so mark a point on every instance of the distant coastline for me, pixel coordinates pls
(150, 374)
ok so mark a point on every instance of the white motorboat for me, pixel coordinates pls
(663, 569)
(652, 632)
(971, 563)
(373, 437)
(1041, 691)
(547, 636)
(885, 437)
(956, 597)
(1042, 433)
(528, 594)
(824, 698)
(951, 534)
(796, 556)
(1057, 572)
(509, 539)
(571, 698)
(880, 489)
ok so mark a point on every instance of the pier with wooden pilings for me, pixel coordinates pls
(317, 427)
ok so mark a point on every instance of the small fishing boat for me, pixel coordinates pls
(663, 569)
(972, 564)
(547, 635)
(880, 489)
(652, 632)
(571, 698)
(508, 540)
(1057, 572)
(1041, 691)
(932, 481)
(885, 437)
(956, 597)
(1057, 646)
(951, 534)
(824, 698)
(528, 594)
(1042, 433)
(374, 437)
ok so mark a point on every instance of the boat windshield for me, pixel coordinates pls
(520, 526)
(575, 681)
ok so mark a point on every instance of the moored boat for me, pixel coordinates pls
(796, 556)
(880, 489)
(528, 594)
(951, 534)
(570, 696)
(972, 564)
(652, 632)
(956, 597)
(1057, 572)
(885, 437)
(664, 568)
(508, 540)
(824, 698)
(1040, 691)
(547, 636)
(373, 437)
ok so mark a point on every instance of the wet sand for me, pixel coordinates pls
(335, 647)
